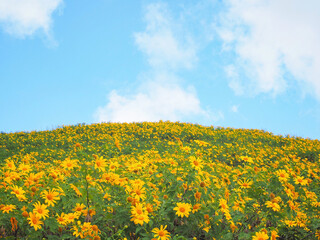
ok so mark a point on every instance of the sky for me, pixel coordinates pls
(223, 63)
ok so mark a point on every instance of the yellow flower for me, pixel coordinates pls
(223, 205)
(196, 208)
(162, 233)
(41, 210)
(260, 236)
(79, 207)
(246, 159)
(183, 209)
(100, 164)
(34, 221)
(275, 206)
(7, 208)
(70, 217)
(196, 163)
(282, 175)
(139, 214)
(76, 190)
(61, 219)
(50, 197)
(245, 183)
(274, 235)
(300, 180)
(10, 165)
(24, 168)
(197, 196)
(69, 164)
(139, 192)
(19, 192)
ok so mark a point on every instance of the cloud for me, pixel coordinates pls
(167, 48)
(156, 102)
(164, 43)
(23, 18)
(234, 108)
(272, 38)
(234, 80)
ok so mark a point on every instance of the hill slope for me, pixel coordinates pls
(130, 180)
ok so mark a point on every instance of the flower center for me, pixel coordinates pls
(49, 197)
(182, 209)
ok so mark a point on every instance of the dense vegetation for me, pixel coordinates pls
(158, 181)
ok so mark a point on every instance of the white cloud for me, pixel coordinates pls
(271, 37)
(234, 108)
(160, 96)
(156, 102)
(165, 44)
(23, 18)
(234, 80)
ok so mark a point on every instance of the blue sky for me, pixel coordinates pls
(240, 64)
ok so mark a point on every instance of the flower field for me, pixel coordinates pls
(158, 181)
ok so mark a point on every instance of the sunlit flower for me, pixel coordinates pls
(197, 196)
(41, 210)
(183, 209)
(34, 221)
(196, 208)
(139, 192)
(62, 219)
(50, 197)
(161, 233)
(223, 204)
(246, 159)
(100, 164)
(19, 192)
(69, 164)
(79, 207)
(196, 163)
(139, 214)
(300, 180)
(282, 175)
(275, 206)
(260, 236)
(274, 235)
(245, 183)
(7, 208)
(24, 168)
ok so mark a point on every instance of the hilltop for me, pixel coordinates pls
(160, 180)
(136, 137)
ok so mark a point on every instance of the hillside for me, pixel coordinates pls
(117, 181)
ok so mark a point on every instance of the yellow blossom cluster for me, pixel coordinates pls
(158, 181)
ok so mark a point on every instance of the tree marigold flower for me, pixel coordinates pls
(161, 233)
(41, 210)
(8, 208)
(183, 209)
(275, 206)
(50, 197)
(34, 221)
(260, 236)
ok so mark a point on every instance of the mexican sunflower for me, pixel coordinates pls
(50, 197)
(162, 233)
(183, 209)
(260, 236)
(34, 221)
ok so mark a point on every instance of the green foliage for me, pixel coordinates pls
(107, 169)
